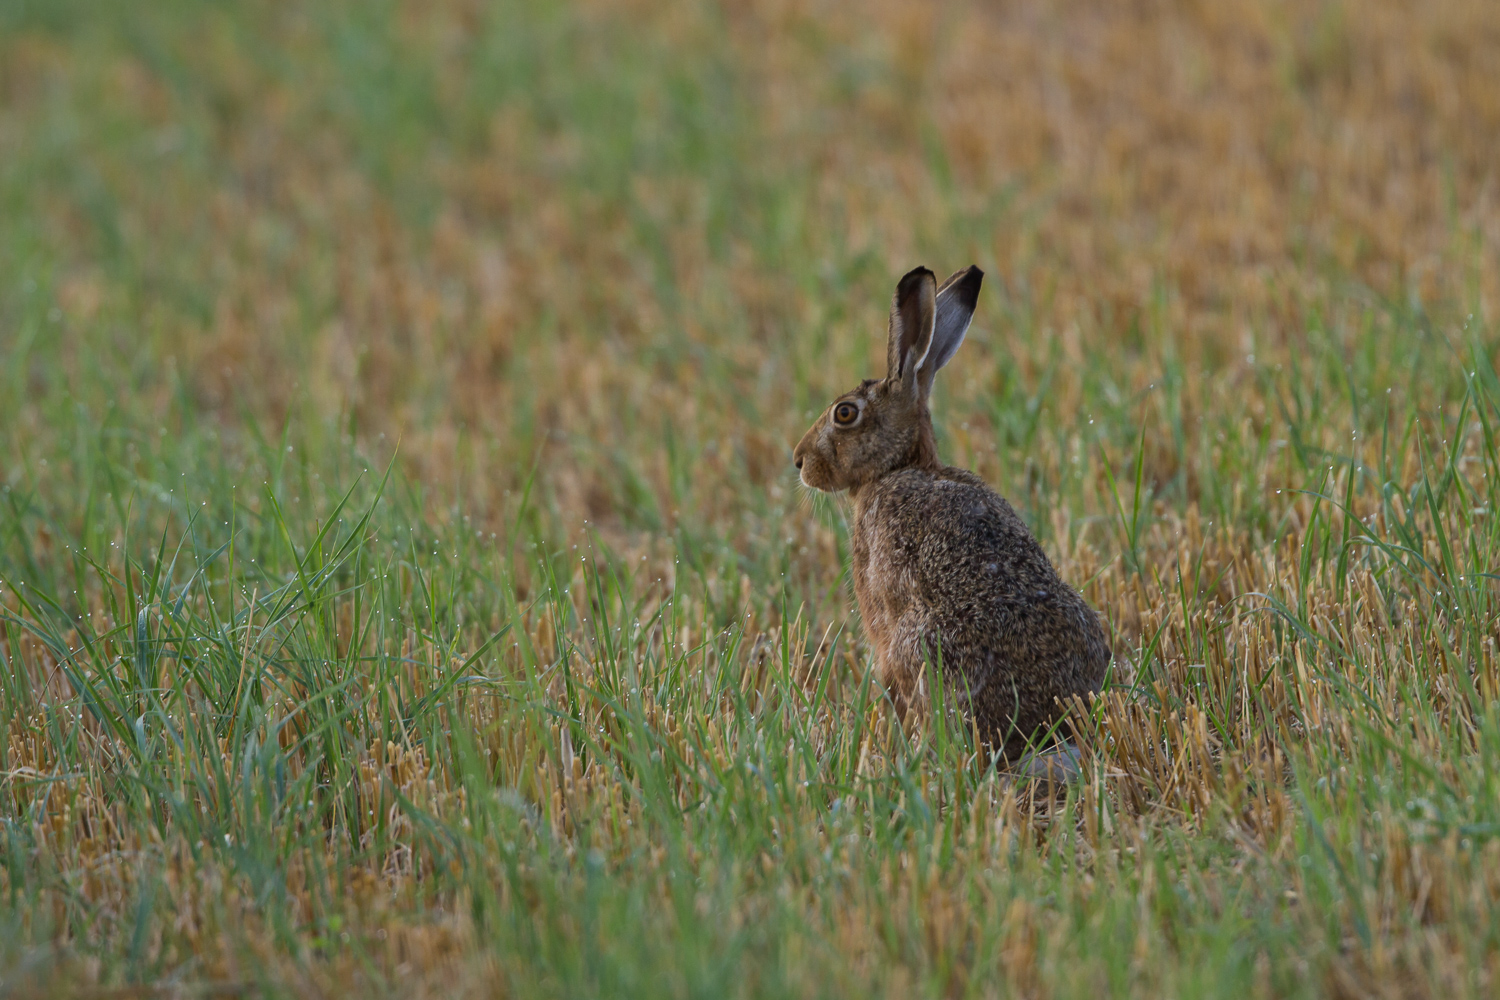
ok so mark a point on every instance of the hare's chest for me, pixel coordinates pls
(884, 581)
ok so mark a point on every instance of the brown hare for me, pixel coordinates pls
(945, 572)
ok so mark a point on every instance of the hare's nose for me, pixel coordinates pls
(799, 461)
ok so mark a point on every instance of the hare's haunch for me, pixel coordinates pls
(944, 570)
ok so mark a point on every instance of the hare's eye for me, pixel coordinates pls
(845, 414)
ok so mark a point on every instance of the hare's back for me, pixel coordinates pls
(961, 540)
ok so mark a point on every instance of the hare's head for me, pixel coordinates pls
(883, 425)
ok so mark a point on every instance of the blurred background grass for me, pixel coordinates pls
(580, 275)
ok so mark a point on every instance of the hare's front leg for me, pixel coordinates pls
(901, 666)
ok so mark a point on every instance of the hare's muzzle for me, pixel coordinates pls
(810, 466)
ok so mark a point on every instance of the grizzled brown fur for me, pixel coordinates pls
(944, 569)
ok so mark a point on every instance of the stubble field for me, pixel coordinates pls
(404, 584)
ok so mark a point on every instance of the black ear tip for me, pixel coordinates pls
(968, 285)
(915, 275)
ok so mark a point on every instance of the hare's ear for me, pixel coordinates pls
(913, 312)
(956, 300)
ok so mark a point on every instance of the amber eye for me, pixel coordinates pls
(845, 414)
